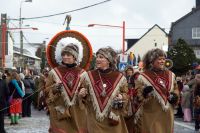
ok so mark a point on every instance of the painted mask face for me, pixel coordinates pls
(102, 62)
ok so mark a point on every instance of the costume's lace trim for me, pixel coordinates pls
(100, 115)
(65, 95)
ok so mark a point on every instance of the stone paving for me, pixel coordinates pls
(39, 123)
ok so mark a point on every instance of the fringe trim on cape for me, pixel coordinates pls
(101, 115)
(155, 95)
(64, 94)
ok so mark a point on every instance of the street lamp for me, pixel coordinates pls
(123, 32)
(33, 28)
(21, 33)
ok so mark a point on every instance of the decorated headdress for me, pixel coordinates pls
(55, 45)
(71, 49)
(109, 54)
(151, 56)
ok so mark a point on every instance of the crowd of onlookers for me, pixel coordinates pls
(18, 91)
(189, 105)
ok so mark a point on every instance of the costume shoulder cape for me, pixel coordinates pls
(71, 79)
(113, 82)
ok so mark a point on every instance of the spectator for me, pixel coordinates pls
(179, 113)
(3, 96)
(17, 94)
(27, 100)
(197, 101)
(36, 92)
(185, 103)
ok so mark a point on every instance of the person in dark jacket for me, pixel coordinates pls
(27, 100)
(179, 113)
(4, 92)
(197, 101)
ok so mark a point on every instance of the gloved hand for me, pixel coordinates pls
(147, 90)
(82, 93)
(117, 104)
(58, 88)
(173, 98)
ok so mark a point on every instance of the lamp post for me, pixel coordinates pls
(33, 28)
(21, 33)
(123, 32)
(3, 37)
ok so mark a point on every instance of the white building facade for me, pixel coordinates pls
(155, 37)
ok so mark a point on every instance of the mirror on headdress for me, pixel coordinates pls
(63, 38)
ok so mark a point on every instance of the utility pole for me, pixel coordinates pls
(43, 55)
(21, 38)
(123, 32)
(3, 38)
(21, 35)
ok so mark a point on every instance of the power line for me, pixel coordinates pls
(86, 26)
(82, 8)
(13, 24)
(26, 39)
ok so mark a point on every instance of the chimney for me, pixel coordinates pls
(197, 3)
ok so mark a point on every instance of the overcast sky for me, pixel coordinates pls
(139, 16)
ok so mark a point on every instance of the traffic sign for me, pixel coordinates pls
(122, 66)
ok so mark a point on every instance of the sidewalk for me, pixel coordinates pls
(38, 123)
(180, 122)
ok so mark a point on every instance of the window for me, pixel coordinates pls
(196, 33)
(197, 53)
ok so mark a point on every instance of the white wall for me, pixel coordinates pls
(147, 42)
(9, 56)
(197, 53)
(37, 64)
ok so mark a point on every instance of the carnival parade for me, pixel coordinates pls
(77, 82)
